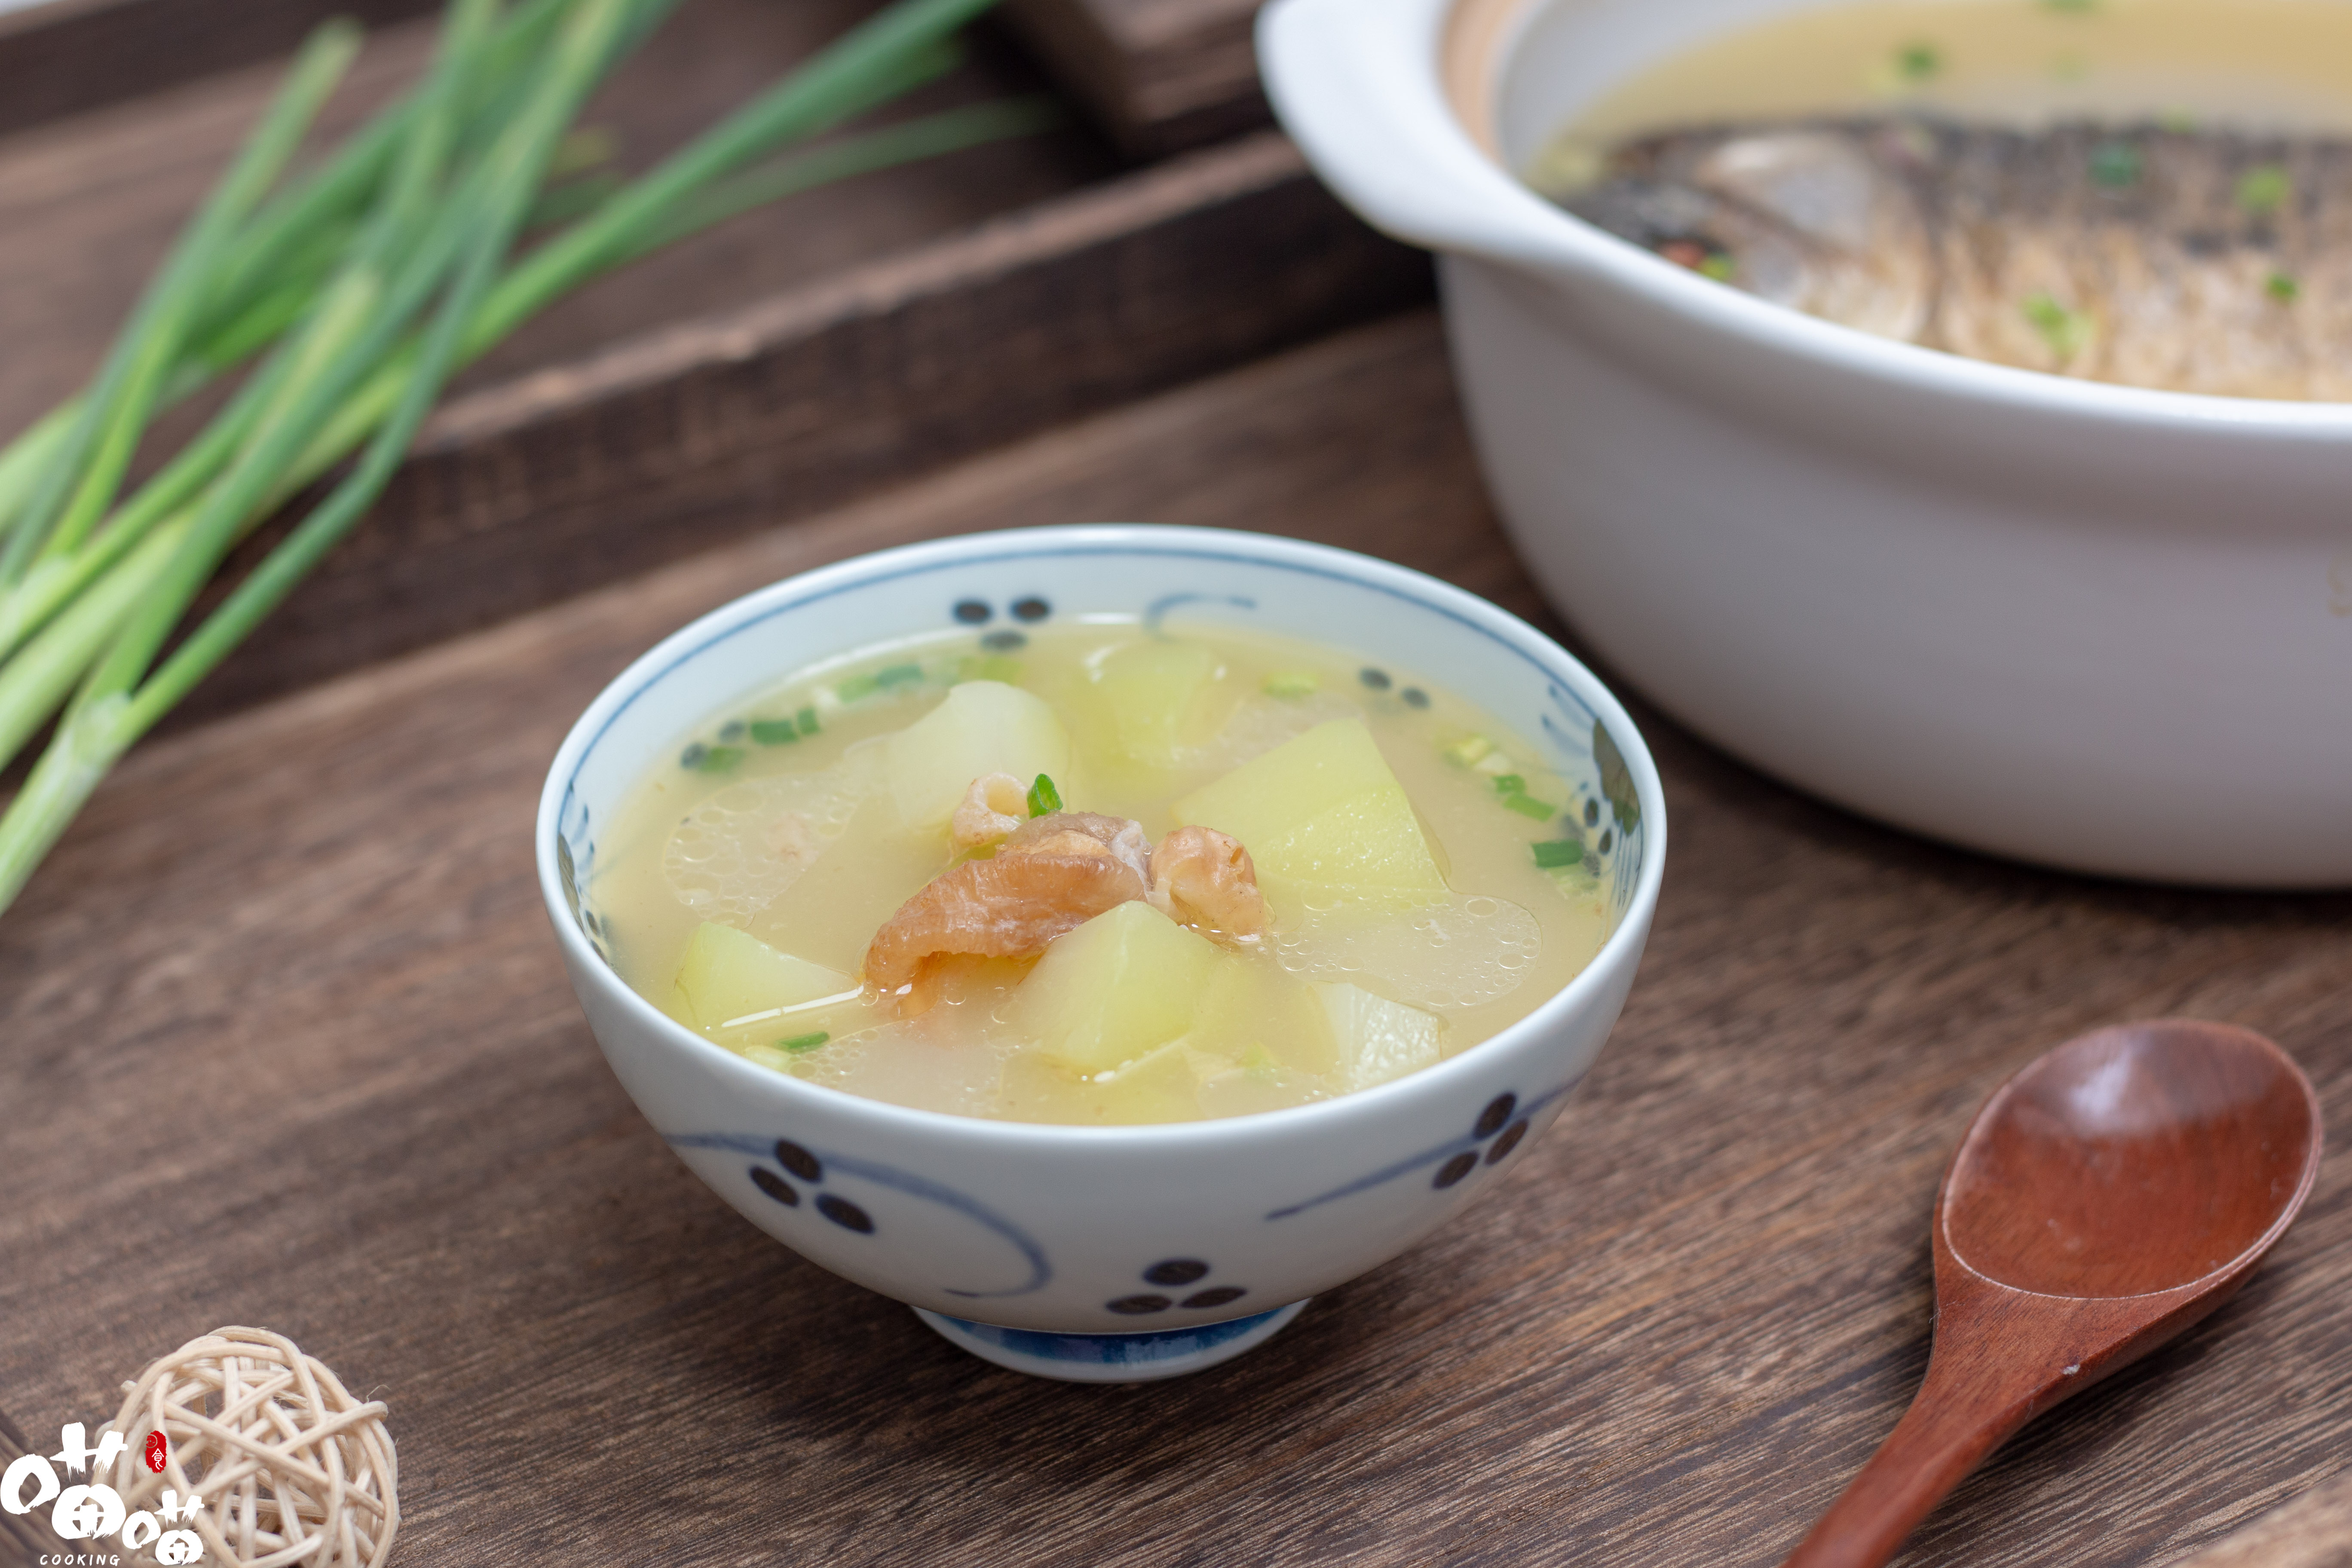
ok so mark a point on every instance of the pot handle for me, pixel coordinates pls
(1356, 84)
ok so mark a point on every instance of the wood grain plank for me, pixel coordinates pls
(283, 1039)
(1158, 75)
(69, 56)
(2313, 1531)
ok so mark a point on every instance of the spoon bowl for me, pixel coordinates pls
(2106, 1199)
(2135, 1159)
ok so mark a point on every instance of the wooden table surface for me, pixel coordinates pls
(284, 1041)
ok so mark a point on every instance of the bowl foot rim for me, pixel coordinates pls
(1112, 1358)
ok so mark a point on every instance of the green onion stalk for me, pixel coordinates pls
(342, 299)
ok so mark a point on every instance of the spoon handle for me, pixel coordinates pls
(1961, 1414)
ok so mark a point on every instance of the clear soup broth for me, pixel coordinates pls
(1423, 880)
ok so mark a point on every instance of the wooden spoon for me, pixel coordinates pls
(2105, 1200)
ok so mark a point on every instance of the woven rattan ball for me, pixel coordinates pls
(290, 1467)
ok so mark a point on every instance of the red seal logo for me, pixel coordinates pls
(156, 1449)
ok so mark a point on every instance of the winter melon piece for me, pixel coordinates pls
(1116, 989)
(1161, 697)
(1378, 1039)
(729, 974)
(982, 727)
(1251, 1006)
(1324, 821)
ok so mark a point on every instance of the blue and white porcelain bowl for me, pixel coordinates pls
(1103, 1253)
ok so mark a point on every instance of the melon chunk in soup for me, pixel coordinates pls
(1161, 696)
(729, 974)
(1115, 989)
(1325, 822)
(982, 727)
(1379, 1039)
(1251, 1006)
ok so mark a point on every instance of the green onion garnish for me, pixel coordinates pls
(806, 718)
(855, 688)
(2114, 164)
(2068, 332)
(774, 732)
(1918, 62)
(897, 675)
(2071, 7)
(1719, 266)
(2265, 189)
(1528, 805)
(1558, 854)
(1467, 752)
(803, 1042)
(1292, 685)
(2283, 288)
(1510, 783)
(716, 759)
(1044, 798)
(989, 666)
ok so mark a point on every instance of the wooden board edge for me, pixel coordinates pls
(69, 56)
(1157, 92)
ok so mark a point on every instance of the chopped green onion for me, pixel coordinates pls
(1558, 852)
(716, 758)
(2071, 7)
(2114, 164)
(774, 732)
(1468, 751)
(2068, 332)
(1510, 783)
(1918, 62)
(2265, 189)
(1292, 685)
(1719, 266)
(897, 675)
(799, 1043)
(807, 718)
(1528, 805)
(1044, 798)
(856, 687)
(989, 666)
(2283, 288)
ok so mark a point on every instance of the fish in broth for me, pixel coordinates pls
(2021, 183)
(1114, 876)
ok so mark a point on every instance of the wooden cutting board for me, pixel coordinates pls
(1159, 74)
(283, 1041)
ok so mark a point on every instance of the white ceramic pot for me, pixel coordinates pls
(1103, 1252)
(2103, 628)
